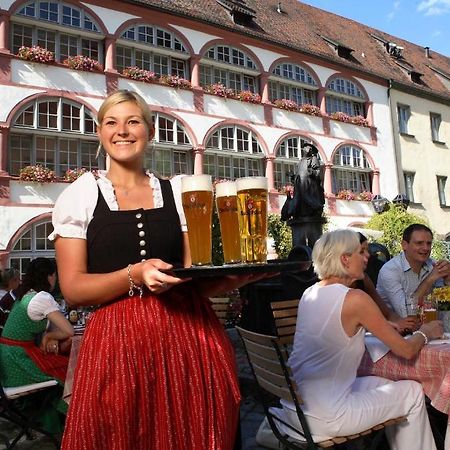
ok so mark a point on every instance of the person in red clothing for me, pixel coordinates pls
(155, 370)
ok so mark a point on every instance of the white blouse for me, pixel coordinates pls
(41, 305)
(75, 206)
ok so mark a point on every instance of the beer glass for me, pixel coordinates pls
(197, 201)
(252, 213)
(226, 204)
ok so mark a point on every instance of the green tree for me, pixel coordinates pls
(392, 223)
(281, 234)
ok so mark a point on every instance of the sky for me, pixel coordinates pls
(423, 22)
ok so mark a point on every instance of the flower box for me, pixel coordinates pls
(80, 62)
(37, 173)
(290, 105)
(355, 120)
(36, 54)
(222, 91)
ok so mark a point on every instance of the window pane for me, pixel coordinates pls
(19, 153)
(46, 151)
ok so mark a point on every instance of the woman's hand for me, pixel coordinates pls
(156, 276)
(406, 324)
(49, 344)
(433, 329)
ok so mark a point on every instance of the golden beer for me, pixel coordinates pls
(252, 213)
(197, 201)
(430, 315)
(226, 204)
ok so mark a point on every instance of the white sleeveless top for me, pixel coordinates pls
(324, 359)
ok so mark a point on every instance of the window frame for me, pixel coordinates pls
(435, 125)
(242, 151)
(441, 187)
(408, 178)
(403, 116)
(44, 123)
(346, 176)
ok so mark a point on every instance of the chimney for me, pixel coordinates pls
(427, 52)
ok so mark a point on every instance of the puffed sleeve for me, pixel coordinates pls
(41, 305)
(176, 188)
(74, 208)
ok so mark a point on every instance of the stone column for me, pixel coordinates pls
(110, 55)
(198, 159)
(195, 70)
(270, 162)
(376, 181)
(264, 80)
(4, 31)
(327, 184)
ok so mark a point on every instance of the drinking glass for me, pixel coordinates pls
(226, 204)
(197, 201)
(430, 311)
(252, 213)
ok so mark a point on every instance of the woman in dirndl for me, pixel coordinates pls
(155, 369)
(36, 338)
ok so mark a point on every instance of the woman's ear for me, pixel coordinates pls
(344, 261)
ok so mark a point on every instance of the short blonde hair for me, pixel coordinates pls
(122, 96)
(327, 252)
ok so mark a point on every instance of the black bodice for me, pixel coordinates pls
(118, 238)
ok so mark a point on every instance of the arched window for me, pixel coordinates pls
(344, 96)
(32, 244)
(229, 66)
(292, 82)
(60, 27)
(56, 133)
(351, 170)
(152, 48)
(288, 155)
(233, 152)
(171, 152)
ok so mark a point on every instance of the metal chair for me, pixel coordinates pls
(268, 361)
(25, 423)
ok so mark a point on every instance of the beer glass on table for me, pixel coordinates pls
(226, 203)
(252, 212)
(197, 201)
(430, 311)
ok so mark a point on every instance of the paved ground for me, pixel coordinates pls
(251, 410)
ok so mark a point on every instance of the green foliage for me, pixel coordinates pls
(281, 234)
(392, 223)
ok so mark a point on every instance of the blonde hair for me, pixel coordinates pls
(122, 96)
(327, 252)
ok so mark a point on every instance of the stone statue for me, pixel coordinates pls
(303, 211)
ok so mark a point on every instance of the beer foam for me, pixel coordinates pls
(191, 183)
(226, 189)
(243, 184)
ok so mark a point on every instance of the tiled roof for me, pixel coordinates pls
(303, 28)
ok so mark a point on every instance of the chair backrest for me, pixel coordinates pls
(285, 316)
(220, 306)
(267, 357)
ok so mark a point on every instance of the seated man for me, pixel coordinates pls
(412, 274)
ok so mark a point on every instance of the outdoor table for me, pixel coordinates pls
(431, 368)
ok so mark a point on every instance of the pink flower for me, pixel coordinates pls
(81, 62)
(36, 54)
(37, 173)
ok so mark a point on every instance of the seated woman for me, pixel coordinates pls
(329, 345)
(35, 315)
(403, 324)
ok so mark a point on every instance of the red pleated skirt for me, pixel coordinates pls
(156, 373)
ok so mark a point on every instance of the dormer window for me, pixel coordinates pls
(342, 50)
(239, 11)
(394, 49)
(416, 77)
